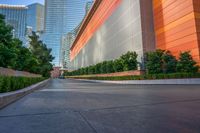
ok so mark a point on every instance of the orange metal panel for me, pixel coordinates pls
(177, 26)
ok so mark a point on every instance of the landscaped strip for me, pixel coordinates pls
(8, 83)
(142, 77)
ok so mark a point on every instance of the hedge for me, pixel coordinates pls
(144, 77)
(8, 84)
(125, 62)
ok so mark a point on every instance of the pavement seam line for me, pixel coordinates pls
(140, 105)
(89, 124)
(7, 116)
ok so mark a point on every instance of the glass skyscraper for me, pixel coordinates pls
(35, 17)
(16, 16)
(61, 16)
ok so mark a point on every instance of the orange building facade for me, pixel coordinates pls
(114, 27)
(177, 26)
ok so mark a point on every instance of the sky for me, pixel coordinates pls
(20, 2)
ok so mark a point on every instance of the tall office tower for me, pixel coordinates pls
(61, 16)
(16, 16)
(65, 49)
(35, 17)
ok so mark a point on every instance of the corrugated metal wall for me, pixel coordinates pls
(125, 30)
(175, 25)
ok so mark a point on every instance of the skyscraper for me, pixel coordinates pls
(68, 39)
(16, 16)
(35, 17)
(61, 16)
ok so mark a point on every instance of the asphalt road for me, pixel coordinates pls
(69, 106)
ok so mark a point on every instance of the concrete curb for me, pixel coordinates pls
(193, 81)
(10, 97)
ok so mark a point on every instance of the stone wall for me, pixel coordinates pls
(11, 72)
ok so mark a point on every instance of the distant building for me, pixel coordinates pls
(68, 40)
(60, 18)
(66, 43)
(35, 17)
(16, 16)
(55, 73)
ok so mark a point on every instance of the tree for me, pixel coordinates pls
(154, 62)
(42, 54)
(109, 66)
(6, 50)
(118, 65)
(129, 61)
(186, 63)
(169, 62)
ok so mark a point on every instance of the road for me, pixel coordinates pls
(71, 106)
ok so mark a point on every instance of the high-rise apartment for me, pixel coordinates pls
(35, 17)
(61, 16)
(16, 16)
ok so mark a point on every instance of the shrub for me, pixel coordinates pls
(109, 67)
(118, 65)
(186, 64)
(154, 62)
(8, 84)
(104, 67)
(129, 61)
(169, 62)
(98, 68)
(146, 77)
(91, 70)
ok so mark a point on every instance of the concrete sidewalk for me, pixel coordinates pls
(192, 81)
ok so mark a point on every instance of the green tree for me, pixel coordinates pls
(154, 61)
(109, 66)
(129, 61)
(186, 63)
(42, 54)
(169, 62)
(118, 65)
(6, 50)
(104, 67)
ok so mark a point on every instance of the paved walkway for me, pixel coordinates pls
(69, 106)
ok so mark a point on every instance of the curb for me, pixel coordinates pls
(10, 97)
(193, 81)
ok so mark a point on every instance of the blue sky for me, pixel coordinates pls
(21, 2)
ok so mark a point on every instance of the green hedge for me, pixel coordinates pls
(125, 62)
(8, 84)
(146, 77)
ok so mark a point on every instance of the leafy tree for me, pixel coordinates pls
(98, 68)
(109, 66)
(169, 62)
(6, 50)
(154, 62)
(42, 54)
(186, 63)
(91, 69)
(118, 65)
(104, 67)
(129, 61)
(14, 55)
